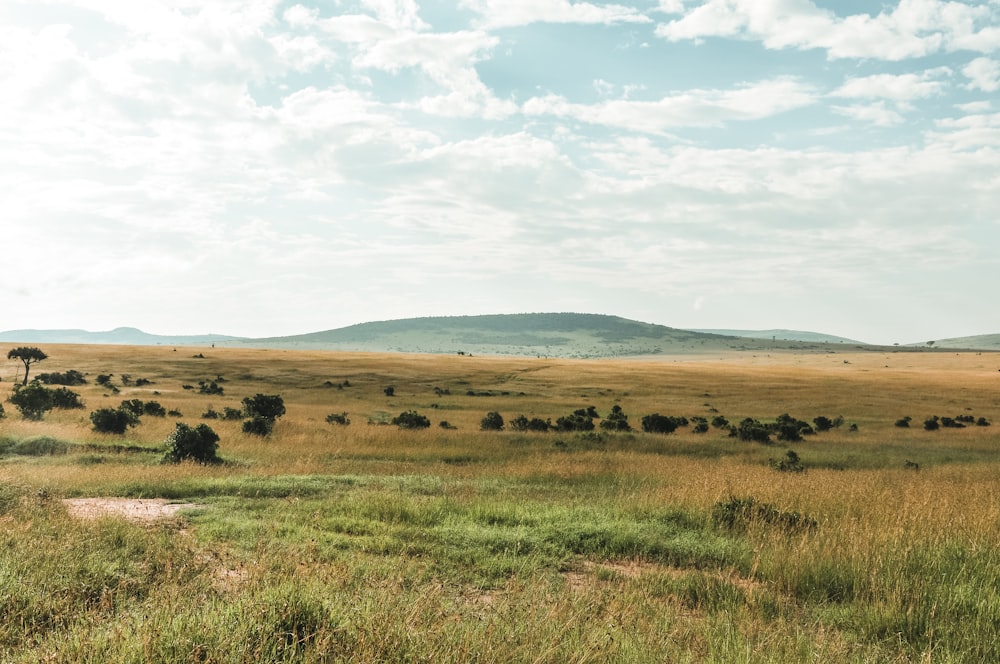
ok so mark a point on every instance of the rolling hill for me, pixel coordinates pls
(572, 335)
(545, 334)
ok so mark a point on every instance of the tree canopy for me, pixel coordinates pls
(28, 355)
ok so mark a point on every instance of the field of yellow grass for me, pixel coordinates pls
(366, 542)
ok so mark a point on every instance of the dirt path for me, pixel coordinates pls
(133, 509)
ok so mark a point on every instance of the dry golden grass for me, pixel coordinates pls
(879, 522)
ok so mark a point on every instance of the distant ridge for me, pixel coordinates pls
(976, 342)
(575, 335)
(126, 336)
(784, 335)
(533, 334)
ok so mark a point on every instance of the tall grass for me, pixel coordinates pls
(366, 543)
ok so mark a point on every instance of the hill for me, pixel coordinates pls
(126, 336)
(546, 334)
(784, 335)
(977, 342)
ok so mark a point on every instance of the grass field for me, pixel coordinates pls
(366, 542)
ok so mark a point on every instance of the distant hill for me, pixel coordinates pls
(547, 334)
(977, 342)
(538, 334)
(126, 336)
(784, 335)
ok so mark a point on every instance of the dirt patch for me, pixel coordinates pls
(133, 509)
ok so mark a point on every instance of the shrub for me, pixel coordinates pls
(104, 379)
(738, 513)
(175, 413)
(197, 444)
(617, 420)
(213, 387)
(823, 423)
(65, 398)
(750, 430)
(657, 423)
(32, 400)
(338, 418)
(229, 413)
(153, 409)
(981, 422)
(700, 426)
(134, 406)
(522, 423)
(790, 429)
(258, 425)
(790, 464)
(113, 420)
(70, 378)
(492, 422)
(445, 424)
(389, 391)
(210, 414)
(951, 423)
(2, 413)
(931, 423)
(411, 419)
(269, 406)
(579, 420)
(719, 422)
(904, 422)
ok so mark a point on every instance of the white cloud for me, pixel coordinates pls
(983, 74)
(876, 114)
(693, 108)
(896, 87)
(510, 13)
(914, 28)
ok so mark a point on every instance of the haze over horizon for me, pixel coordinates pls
(263, 168)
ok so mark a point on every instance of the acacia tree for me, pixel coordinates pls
(29, 355)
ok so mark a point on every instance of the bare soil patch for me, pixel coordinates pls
(133, 509)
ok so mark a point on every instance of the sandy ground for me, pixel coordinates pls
(133, 509)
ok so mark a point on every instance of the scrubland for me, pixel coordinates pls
(366, 542)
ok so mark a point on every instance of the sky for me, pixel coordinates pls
(263, 167)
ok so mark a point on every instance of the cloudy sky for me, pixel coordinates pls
(262, 167)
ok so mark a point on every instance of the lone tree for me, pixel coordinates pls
(29, 355)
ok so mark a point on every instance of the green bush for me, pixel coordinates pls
(904, 422)
(269, 406)
(411, 419)
(750, 430)
(32, 400)
(134, 406)
(70, 378)
(492, 422)
(656, 423)
(932, 423)
(522, 423)
(338, 418)
(739, 513)
(790, 464)
(580, 420)
(258, 425)
(229, 413)
(616, 420)
(153, 409)
(65, 398)
(199, 444)
(113, 420)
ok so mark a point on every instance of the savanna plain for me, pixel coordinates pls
(364, 541)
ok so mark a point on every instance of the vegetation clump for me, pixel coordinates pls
(616, 420)
(263, 411)
(523, 423)
(791, 463)
(210, 387)
(741, 513)
(32, 400)
(579, 420)
(903, 422)
(198, 444)
(70, 378)
(656, 423)
(492, 422)
(338, 418)
(751, 431)
(65, 398)
(411, 419)
(113, 420)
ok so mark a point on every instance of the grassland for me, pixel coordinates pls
(367, 543)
